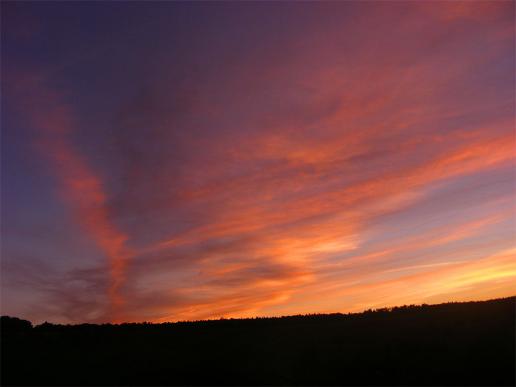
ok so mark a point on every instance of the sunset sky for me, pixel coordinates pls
(167, 161)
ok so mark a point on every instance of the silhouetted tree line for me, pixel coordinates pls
(469, 343)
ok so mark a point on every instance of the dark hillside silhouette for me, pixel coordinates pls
(470, 343)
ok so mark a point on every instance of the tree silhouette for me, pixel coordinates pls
(469, 343)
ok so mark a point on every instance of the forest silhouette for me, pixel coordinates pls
(469, 343)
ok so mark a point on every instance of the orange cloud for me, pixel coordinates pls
(266, 184)
(81, 187)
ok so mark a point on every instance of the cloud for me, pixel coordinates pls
(323, 167)
(79, 184)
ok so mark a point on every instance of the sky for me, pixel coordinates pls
(166, 161)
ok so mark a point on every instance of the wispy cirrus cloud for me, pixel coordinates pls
(80, 187)
(331, 164)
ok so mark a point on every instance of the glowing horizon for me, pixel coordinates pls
(179, 161)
